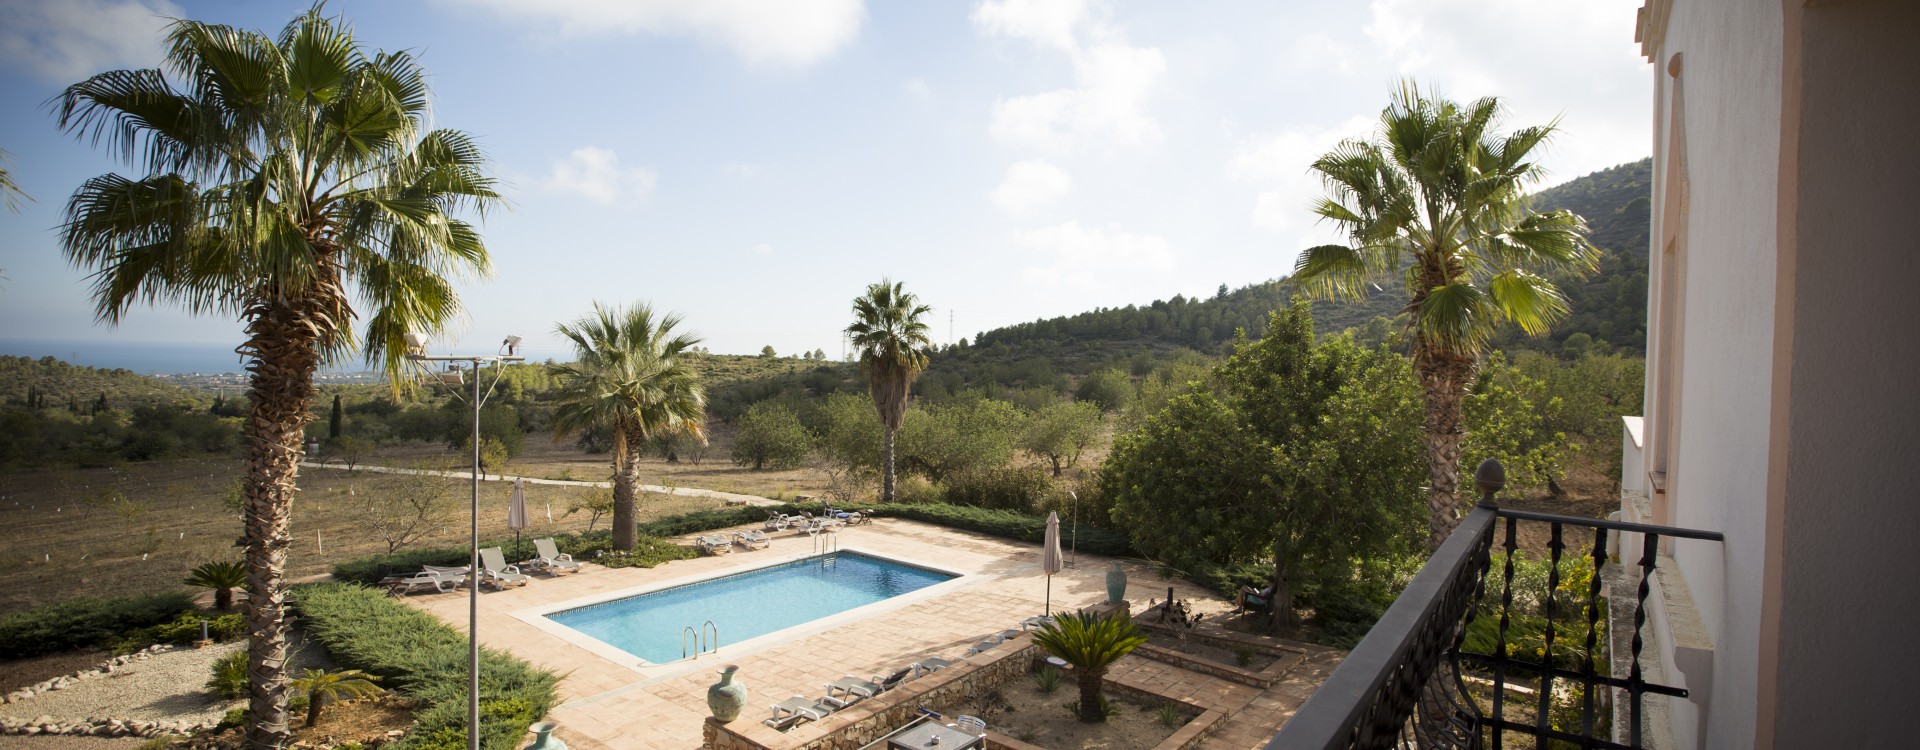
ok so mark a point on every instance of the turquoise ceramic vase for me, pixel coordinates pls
(1116, 584)
(543, 738)
(728, 696)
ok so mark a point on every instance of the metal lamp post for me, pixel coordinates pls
(417, 351)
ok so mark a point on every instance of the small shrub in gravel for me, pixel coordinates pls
(229, 678)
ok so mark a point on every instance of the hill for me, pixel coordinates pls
(55, 383)
(1611, 305)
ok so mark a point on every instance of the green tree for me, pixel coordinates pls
(766, 352)
(848, 432)
(222, 577)
(1090, 643)
(1109, 388)
(321, 686)
(1439, 198)
(1287, 455)
(352, 449)
(631, 375)
(334, 419)
(1510, 413)
(1060, 432)
(964, 435)
(279, 176)
(890, 335)
(770, 435)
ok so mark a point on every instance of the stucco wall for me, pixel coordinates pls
(1851, 510)
(1730, 85)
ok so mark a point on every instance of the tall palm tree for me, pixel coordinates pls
(10, 193)
(631, 376)
(1439, 197)
(280, 177)
(892, 342)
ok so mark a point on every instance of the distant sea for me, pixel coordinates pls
(146, 358)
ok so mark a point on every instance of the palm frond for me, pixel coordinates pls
(1530, 301)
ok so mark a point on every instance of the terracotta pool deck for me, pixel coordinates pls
(608, 703)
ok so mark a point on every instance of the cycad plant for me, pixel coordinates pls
(1440, 199)
(320, 686)
(222, 577)
(891, 337)
(1090, 643)
(631, 376)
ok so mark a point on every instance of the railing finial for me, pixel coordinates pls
(1490, 477)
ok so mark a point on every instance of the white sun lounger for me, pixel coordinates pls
(551, 559)
(752, 540)
(495, 570)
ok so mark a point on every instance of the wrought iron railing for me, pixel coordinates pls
(1407, 683)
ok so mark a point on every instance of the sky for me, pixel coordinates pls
(754, 164)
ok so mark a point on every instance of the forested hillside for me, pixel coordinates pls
(48, 382)
(1609, 306)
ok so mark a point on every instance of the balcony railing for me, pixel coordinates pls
(1466, 659)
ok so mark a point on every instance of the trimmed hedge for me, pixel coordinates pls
(720, 518)
(369, 570)
(424, 659)
(1007, 524)
(79, 623)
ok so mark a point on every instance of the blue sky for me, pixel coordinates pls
(753, 165)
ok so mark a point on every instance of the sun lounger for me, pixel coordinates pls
(752, 540)
(849, 690)
(495, 570)
(1036, 621)
(930, 664)
(439, 582)
(796, 709)
(714, 544)
(551, 559)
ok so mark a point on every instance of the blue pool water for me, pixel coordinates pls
(746, 605)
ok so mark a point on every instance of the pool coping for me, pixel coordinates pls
(653, 672)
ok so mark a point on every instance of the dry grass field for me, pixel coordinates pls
(139, 527)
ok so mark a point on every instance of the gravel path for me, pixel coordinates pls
(164, 687)
(168, 686)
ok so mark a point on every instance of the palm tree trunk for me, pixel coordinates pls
(1090, 695)
(626, 481)
(281, 340)
(314, 702)
(1444, 378)
(223, 598)
(886, 474)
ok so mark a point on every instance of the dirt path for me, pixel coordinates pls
(731, 497)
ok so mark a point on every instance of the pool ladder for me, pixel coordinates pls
(698, 640)
(827, 540)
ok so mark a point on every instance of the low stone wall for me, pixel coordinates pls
(1190, 734)
(869, 720)
(1261, 679)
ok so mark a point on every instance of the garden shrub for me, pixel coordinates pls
(369, 570)
(648, 551)
(1004, 488)
(183, 630)
(229, 678)
(1009, 525)
(83, 622)
(425, 660)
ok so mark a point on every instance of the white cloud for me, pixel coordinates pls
(1319, 52)
(65, 42)
(789, 32)
(1031, 185)
(918, 89)
(1576, 61)
(1279, 162)
(596, 174)
(1081, 256)
(1113, 80)
(1045, 22)
(763, 250)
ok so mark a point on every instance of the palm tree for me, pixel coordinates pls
(1091, 643)
(320, 686)
(1438, 196)
(281, 175)
(10, 193)
(631, 377)
(222, 577)
(892, 341)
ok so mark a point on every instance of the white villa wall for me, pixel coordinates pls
(1717, 477)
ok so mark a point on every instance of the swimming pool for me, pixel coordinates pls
(746, 605)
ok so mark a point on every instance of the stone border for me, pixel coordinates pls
(107, 667)
(95, 727)
(1219, 637)
(869, 720)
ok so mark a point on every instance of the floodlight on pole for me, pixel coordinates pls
(417, 351)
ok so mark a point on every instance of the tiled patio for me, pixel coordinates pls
(613, 704)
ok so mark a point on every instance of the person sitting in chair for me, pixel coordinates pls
(1250, 600)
